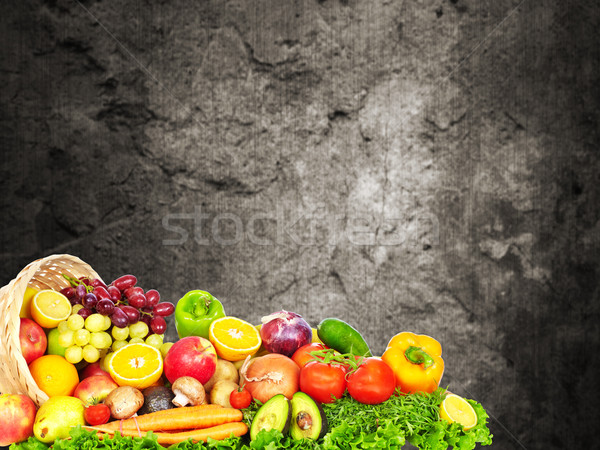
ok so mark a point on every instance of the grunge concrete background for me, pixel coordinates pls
(429, 166)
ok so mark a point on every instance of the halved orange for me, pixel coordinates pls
(457, 409)
(49, 308)
(233, 338)
(136, 365)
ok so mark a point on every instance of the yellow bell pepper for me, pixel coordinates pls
(416, 361)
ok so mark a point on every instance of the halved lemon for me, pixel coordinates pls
(49, 308)
(233, 338)
(136, 365)
(457, 409)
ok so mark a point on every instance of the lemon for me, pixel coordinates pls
(55, 418)
(26, 305)
(457, 409)
(49, 308)
(315, 336)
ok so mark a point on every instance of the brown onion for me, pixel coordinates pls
(270, 375)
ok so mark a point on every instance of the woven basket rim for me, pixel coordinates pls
(42, 273)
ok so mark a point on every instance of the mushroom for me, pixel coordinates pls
(124, 402)
(188, 391)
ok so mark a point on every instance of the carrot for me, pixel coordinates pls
(162, 415)
(217, 432)
(186, 418)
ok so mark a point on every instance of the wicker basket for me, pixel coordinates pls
(45, 273)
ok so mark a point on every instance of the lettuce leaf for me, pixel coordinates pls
(352, 426)
(226, 444)
(274, 439)
(89, 440)
(385, 435)
(389, 425)
(442, 434)
(30, 444)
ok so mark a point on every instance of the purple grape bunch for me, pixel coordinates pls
(123, 301)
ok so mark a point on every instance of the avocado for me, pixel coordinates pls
(341, 336)
(308, 418)
(274, 414)
(156, 398)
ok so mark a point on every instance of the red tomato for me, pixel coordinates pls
(323, 382)
(302, 356)
(240, 398)
(97, 414)
(373, 382)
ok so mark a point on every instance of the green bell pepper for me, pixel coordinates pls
(195, 312)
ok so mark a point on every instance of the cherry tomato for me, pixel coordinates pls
(96, 414)
(323, 382)
(302, 356)
(373, 382)
(240, 398)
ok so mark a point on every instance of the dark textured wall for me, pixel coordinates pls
(429, 166)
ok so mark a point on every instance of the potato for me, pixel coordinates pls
(225, 370)
(219, 394)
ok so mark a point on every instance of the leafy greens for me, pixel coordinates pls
(352, 425)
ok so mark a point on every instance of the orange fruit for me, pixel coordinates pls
(233, 338)
(457, 409)
(49, 308)
(54, 375)
(136, 365)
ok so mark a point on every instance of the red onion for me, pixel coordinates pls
(285, 332)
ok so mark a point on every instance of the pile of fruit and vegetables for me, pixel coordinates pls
(97, 351)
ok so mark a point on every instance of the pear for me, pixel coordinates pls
(55, 418)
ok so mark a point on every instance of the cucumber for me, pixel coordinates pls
(341, 336)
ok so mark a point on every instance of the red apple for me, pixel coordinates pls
(94, 389)
(17, 414)
(93, 369)
(191, 356)
(33, 340)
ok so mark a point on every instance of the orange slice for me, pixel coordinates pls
(54, 375)
(457, 409)
(49, 308)
(233, 338)
(136, 365)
